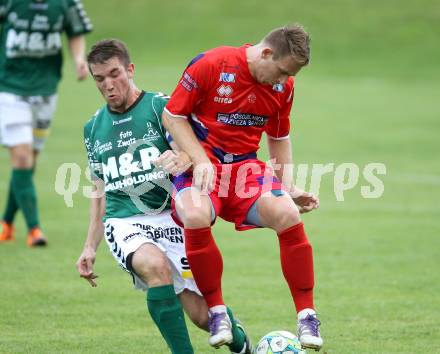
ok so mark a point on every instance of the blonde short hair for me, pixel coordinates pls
(290, 40)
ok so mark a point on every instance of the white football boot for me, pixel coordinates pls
(220, 328)
(308, 329)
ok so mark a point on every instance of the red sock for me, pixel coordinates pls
(297, 265)
(206, 264)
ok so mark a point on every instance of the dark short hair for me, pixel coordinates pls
(290, 40)
(106, 49)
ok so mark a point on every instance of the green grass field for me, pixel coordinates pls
(369, 95)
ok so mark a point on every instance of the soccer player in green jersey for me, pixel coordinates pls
(122, 140)
(30, 70)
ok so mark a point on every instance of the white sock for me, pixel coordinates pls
(303, 313)
(218, 308)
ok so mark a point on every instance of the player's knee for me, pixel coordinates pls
(288, 217)
(280, 216)
(196, 217)
(22, 158)
(153, 269)
(194, 209)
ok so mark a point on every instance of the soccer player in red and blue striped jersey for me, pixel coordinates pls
(226, 98)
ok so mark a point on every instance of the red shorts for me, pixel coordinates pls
(237, 187)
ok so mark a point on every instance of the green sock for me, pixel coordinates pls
(25, 195)
(238, 336)
(166, 311)
(11, 205)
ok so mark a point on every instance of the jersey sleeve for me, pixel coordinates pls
(192, 87)
(76, 20)
(159, 102)
(94, 164)
(278, 127)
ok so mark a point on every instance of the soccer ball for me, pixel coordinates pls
(279, 342)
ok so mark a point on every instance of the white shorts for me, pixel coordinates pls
(25, 119)
(125, 235)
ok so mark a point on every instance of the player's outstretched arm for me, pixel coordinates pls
(77, 46)
(281, 152)
(95, 233)
(183, 135)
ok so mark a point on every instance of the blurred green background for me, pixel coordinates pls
(369, 95)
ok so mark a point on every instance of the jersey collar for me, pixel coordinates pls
(135, 103)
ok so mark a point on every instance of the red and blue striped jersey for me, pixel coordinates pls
(227, 108)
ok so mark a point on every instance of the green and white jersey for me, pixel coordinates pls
(30, 43)
(121, 148)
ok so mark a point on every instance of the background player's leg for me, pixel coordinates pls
(42, 109)
(11, 203)
(23, 188)
(11, 206)
(16, 134)
(151, 265)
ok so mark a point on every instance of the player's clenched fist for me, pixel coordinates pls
(81, 70)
